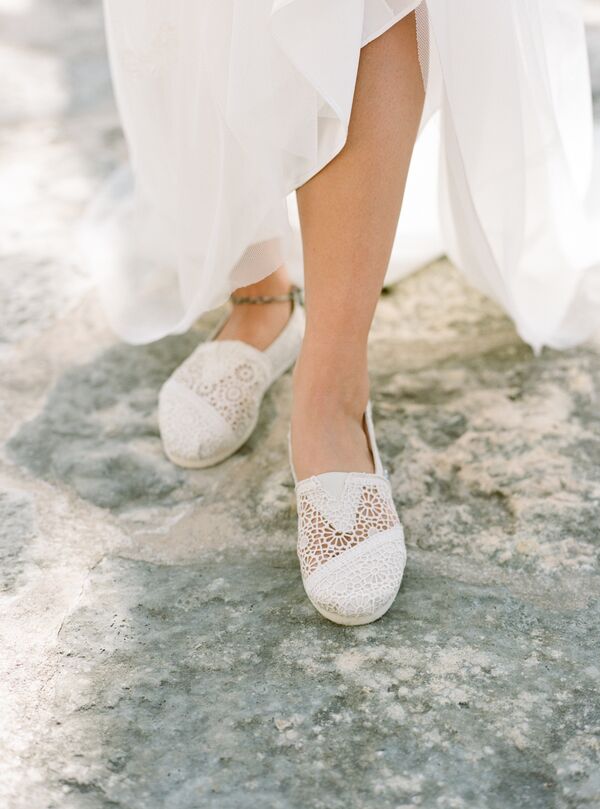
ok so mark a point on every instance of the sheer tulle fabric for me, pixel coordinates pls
(229, 105)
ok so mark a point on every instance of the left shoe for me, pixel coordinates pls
(350, 541)
(209, 406)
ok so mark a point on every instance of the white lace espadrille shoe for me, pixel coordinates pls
(350, 541)
(209, 407)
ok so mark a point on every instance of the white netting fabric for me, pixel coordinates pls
(229, 106)
(329, 525)
(422, 22)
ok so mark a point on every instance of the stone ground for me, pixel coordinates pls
(158, 650)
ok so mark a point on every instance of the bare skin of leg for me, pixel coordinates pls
(259, 324)
(348, 214)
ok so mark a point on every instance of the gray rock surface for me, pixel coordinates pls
(157, 647)
(17, 530)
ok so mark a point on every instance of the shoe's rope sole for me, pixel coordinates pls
(355, 620)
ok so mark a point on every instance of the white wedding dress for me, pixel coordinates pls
(229, 105)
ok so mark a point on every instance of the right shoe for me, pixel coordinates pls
(209, 406)
(350, 541)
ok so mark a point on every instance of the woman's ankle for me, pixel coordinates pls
(327, 425)
(258, 324)
(325, 386)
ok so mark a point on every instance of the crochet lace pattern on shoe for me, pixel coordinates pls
(212, 400)
(350, 540)
(209, 406)
(350, 545)
(328, 526)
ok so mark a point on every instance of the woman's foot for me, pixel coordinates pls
(350, 540)
(209, 406)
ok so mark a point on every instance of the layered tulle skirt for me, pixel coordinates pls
(229, 105)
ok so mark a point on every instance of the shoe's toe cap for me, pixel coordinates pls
(360, 585)
(192, 431)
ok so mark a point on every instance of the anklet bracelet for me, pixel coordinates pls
(295, 294)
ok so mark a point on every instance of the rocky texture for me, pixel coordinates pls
(17, 529)
(157, 646)
(204, 710)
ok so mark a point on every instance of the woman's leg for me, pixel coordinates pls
(348, 214)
